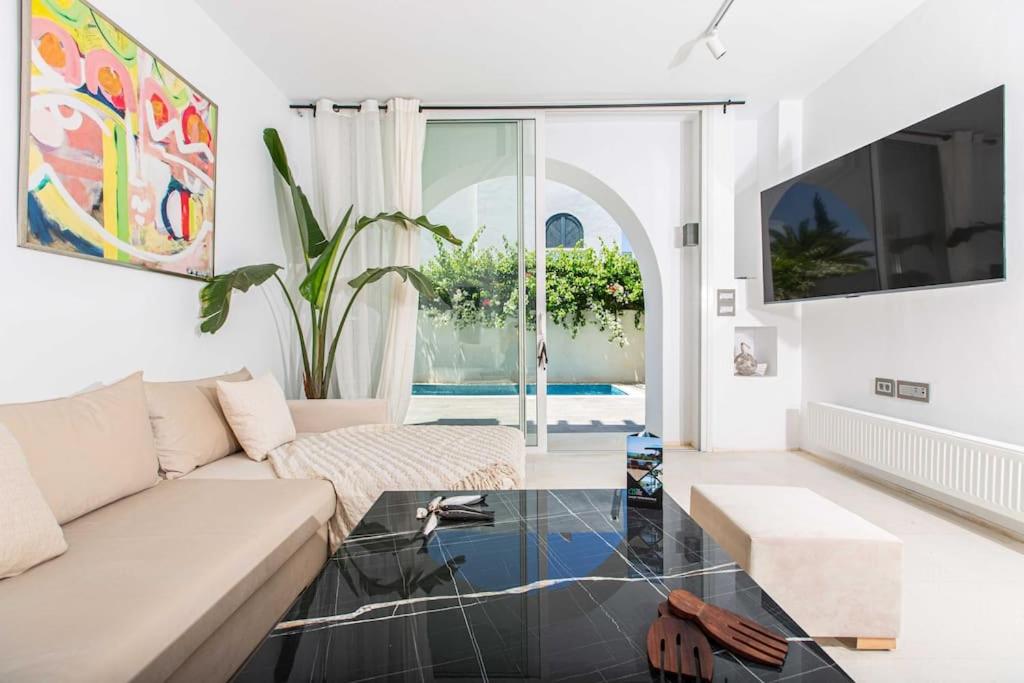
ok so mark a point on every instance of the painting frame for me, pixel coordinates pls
(24, 125)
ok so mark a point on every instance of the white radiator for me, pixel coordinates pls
(982, 476)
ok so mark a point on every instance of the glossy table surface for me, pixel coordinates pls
(561, 587)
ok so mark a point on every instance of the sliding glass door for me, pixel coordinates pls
(477, 344)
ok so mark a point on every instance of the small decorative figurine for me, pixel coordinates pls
(454, 508)
(744, 361)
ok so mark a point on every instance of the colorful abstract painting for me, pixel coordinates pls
(119, 153)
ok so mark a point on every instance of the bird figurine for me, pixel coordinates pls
(454, 508)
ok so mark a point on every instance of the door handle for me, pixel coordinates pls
(542, 354)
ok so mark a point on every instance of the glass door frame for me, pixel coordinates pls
(528, 358)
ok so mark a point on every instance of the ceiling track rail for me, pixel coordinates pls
(724, 104)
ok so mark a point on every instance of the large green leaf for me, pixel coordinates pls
(400, 218)
(407, 273)
(215, 297)
(313, 240)
(310, 233)
(315, 285)
(276, 148)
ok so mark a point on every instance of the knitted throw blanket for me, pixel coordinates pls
(361, 462)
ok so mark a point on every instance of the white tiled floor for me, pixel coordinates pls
(963, 585)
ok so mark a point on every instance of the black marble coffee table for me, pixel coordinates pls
(562, 587)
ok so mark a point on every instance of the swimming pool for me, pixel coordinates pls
(513, 390)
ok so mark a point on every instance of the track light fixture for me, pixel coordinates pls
(709, 37)
(715, 45)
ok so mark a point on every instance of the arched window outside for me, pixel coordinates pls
(563, 230)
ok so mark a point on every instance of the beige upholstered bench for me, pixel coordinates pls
(837, 575)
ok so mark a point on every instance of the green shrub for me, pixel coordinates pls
(477, 287)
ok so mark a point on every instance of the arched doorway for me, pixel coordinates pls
(595, 325)
(626, 219)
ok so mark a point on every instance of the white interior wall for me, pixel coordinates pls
(965, 341)
(747, 257)
(747, 412)
(68, 323)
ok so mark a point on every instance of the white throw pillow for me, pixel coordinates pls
(29, 533)
(258, 414)
(189, 427)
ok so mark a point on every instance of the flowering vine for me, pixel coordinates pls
(585, 285)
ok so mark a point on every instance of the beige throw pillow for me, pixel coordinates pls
(87, 450)
(258, 414)
(29, 533)
(188, 424)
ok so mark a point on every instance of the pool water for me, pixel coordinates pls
(513, 390)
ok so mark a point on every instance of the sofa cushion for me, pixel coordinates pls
(189, 427)
(29, 533)
(224, 653)
(326, 414)
(235, 466)
(148, 579)
(258, 414)
(87, 450)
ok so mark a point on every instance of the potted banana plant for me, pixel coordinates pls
(322, 258)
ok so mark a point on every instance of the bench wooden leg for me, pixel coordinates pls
(876, 644)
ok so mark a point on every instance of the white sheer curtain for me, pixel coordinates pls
(372, 160)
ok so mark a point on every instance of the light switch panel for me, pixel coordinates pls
(885, 386)
(726, 302)
(913, 391)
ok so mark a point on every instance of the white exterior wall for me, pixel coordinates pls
(445, 355)
(69, 323)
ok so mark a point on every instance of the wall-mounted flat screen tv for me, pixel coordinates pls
(920, 208)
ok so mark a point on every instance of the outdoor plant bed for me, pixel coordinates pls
(585, 285)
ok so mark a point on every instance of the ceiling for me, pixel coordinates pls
(529, 51)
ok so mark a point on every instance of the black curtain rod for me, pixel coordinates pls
(725, 104)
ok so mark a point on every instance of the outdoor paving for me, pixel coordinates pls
(566, 414)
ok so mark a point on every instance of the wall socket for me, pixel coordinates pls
(885, 386)
(913, 391)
